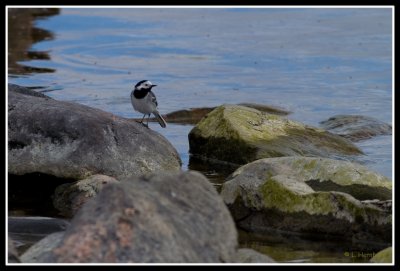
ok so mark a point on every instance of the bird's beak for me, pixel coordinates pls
(153, 85)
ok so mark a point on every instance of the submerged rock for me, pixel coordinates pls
(194, 115)
(356, 127)
(68, 198)
(262, 197)
(383, 256)
(239, 135)
(158, 218)
(69, 140)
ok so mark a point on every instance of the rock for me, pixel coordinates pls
(188, 116)
(26, 91)
(69, 140)
(385, 205)
(261, 199)
(239, 135)
(45, 245)
(246, 255)
(383, 256)
(356, 127)
(26, 231)
(36, 225)
(13, 256)
(194, 115)
(323, 174)
(68, 198)
(159, 218)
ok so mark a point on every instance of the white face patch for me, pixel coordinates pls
(146, 84)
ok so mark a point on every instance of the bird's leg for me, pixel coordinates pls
(148, 120)
(142, 118)
(141, 122)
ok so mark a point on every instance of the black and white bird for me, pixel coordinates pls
(144, 101)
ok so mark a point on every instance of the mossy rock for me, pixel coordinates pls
(323, 174)
(383, 256)
(240, 134)
(286, 204)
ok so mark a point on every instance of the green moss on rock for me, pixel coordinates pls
(241, 134)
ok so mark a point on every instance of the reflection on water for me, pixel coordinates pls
(291, 248)
(22, 34)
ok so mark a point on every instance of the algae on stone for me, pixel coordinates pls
(261, 197)
(323, 174)
(241, 134)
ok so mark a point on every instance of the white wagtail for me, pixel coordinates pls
(144, 101)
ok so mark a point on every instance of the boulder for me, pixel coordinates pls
(161, 218)
(383, 256)
(261, 199)
(70, 140)
(239, 135)
(323, 174)
(68, 198)
(356, 127)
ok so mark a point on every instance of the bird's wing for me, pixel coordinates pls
(153, 97)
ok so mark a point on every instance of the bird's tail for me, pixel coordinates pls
(160, 119)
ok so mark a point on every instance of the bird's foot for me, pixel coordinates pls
(144, 124)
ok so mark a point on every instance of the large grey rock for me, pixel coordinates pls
(261, 199)
(159, 218)
(239, 135)
(356, 127)
(69, 140)
(68, 198)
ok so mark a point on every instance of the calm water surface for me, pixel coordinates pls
(314, 62)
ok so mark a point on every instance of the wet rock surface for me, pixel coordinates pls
(69, 140)
(239, 135)
(262, 198)
(168, 218)
(355, 127)
(69, 198)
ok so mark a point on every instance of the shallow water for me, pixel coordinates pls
(314, 62)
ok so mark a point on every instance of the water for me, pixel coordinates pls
(314, 62)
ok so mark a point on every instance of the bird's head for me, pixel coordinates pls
(144, 84)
